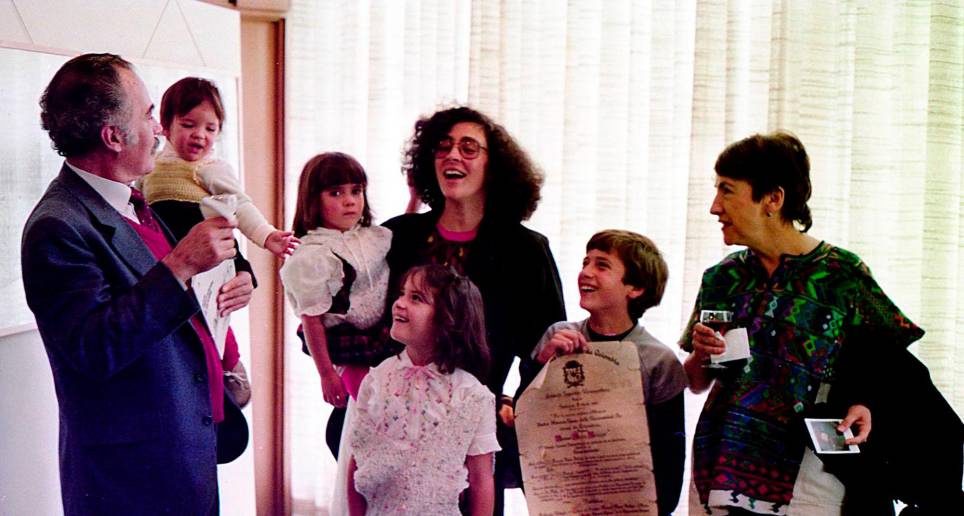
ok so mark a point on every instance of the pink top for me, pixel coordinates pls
(160, 248)
(457, 236)
(351, 377)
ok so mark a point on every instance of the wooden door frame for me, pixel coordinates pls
(263, 152)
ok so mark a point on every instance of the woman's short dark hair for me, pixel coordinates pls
(324, 171)
(769, 162)
(512, 180)
(187, 94)
(459, 319)
(85, 95)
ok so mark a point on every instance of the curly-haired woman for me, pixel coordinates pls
(480, 186)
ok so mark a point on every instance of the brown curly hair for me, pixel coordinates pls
(512, 180)
(85, 95)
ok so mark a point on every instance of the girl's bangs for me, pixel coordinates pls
(343, 173)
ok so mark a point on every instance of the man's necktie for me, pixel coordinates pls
(143, 212)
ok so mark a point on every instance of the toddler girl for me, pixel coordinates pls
(185, 172)
(424, 425)
(336, 283)
(337, 279)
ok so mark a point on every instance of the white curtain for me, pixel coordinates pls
(626, 104)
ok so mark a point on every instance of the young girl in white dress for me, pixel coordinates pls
(424, 424)
(336, 281)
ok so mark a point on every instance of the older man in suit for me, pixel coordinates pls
(136, 372)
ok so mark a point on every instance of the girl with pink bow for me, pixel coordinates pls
(424, 426)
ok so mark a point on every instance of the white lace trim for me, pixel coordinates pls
(413, 430)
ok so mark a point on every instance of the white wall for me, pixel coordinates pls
(29, 480)
(166, 40)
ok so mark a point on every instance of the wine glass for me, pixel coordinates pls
(719, 321)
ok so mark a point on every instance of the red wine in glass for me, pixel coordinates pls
(719, 326)
(719, 321)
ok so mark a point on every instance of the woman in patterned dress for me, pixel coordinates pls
(803, 302)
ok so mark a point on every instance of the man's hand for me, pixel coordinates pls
(206, 245)
(235, 294)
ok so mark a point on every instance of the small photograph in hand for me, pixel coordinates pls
(826, 438)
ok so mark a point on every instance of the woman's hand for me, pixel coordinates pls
(859, 415)
(706, 342)
(563, 342)
(333, 389)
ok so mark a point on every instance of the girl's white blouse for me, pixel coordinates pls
(413, 429)
(314, 274)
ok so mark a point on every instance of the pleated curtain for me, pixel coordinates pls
(625, 106)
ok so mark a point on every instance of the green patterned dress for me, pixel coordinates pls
(745, 452)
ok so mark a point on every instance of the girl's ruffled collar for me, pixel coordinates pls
(324, 232)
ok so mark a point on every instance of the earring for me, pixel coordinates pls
(769, 214)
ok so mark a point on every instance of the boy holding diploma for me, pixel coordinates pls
(623, 274)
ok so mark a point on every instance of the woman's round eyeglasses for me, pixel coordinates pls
(468, 147)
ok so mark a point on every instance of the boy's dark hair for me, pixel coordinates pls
(187, 94)
(768, 162)
(459, 319)
(512, 180)
(323, 171)
(644, 264)
(83, 96)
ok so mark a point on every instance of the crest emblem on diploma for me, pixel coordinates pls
(573, 374)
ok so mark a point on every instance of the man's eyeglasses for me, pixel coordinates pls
(468, 147)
